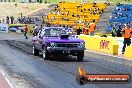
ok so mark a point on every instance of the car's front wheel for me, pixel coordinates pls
(35, 51)
(80, 56)
(45, 54)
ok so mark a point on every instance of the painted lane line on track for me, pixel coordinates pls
(10, 82)
(121, 57)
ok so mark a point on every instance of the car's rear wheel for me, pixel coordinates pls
(35, 51)
(45, 54)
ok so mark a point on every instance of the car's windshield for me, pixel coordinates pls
(54, 31)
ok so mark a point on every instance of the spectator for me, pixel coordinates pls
(70, 26)
(92, 27)
(25, 31)
(79, 31)
(113, 32)
(84, 24)
(26, 20)
(67, 13)
(58, 12)
(3, 21)
(7, 20)
(81, 10)
(67, 26)
(94, 4)
(48, 24)
(73, 15)
(64, 26)
(12, 19)
(43, 19)
(35, 30)
(84, 9)
(63, 13)
(119, 34)
(85, 31)
(59, 25)
(127, 35)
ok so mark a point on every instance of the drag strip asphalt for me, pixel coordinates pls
(58, 72)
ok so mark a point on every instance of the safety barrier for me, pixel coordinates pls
(128, 52)
(106, 45)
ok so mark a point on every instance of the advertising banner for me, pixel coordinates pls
(3, 27)
(107, 45)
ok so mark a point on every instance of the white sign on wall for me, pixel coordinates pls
(3, 27)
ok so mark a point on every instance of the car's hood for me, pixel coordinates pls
(57, 39)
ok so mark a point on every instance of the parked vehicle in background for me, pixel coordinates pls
(16, 28)
(56, 41)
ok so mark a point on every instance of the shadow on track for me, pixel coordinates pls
(65, 59)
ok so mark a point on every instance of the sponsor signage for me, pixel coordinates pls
(104, 44)
(3, 27)
(82, 78)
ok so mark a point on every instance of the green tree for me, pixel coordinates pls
(40, 1)
(45, 2)
(37, 0)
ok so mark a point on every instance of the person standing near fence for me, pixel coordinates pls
(7, 20)
(79, 31)
(119, 34)
(127, 31)
(35, 30)
(12, 19)
(25, 31)
(85, 31)
(92, 27)
(114, 31)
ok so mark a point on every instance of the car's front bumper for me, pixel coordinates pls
(64, 49)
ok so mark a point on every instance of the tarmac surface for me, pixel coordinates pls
(28, 71)
(3, 82)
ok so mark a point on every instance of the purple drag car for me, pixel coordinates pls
(56, 41)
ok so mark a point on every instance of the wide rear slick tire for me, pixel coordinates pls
(35, 51)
